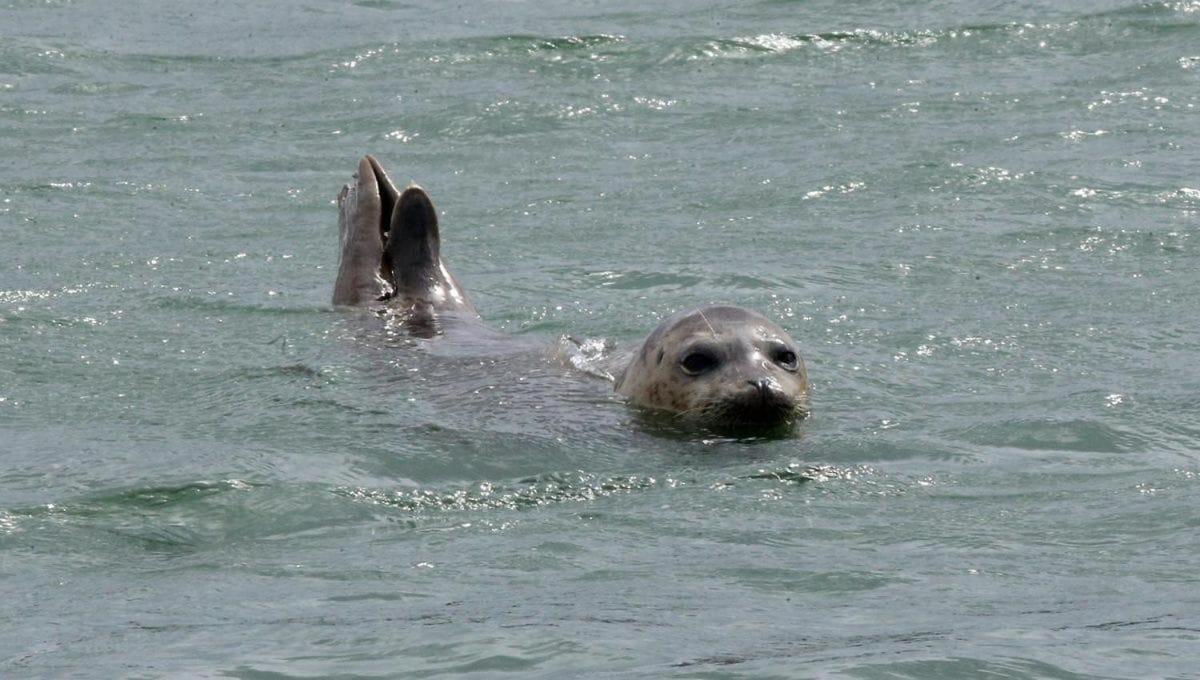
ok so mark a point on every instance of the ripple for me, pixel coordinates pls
(34, 57)
(531, 44)
(90, 89)
(473, 50)
(19, 297)
(779, 581)
(967, 667)
(799, 473)
(1055, 435)
(212, 303)
(8, 523)
(832, 42)
(121, 502)
(380, 4)
(585, 487)
(536, 491)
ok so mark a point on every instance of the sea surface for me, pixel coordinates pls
(980, 220)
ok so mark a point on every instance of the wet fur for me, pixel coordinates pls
(654, 380)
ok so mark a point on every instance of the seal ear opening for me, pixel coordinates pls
(413, 243)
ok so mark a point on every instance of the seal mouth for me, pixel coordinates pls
(763, 405)
(754, 414)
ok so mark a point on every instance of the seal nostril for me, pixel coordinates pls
(762, 385)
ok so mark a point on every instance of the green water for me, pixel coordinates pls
(979, 220)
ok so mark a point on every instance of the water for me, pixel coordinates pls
(978, 219)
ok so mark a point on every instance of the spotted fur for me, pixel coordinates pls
(747, 386)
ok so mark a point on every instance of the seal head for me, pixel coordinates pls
(719, 366)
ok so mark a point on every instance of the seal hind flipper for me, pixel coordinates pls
(387, 192)
(391, 248)
(413, 241)
(413, 250)
(361, 277)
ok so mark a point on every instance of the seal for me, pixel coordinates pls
(717, 366)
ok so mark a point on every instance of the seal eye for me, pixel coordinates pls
(786, 358)
(698, 362)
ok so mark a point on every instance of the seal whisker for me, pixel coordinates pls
(706, 322)
(686, 412)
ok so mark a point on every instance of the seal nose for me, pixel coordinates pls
(763, 385)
